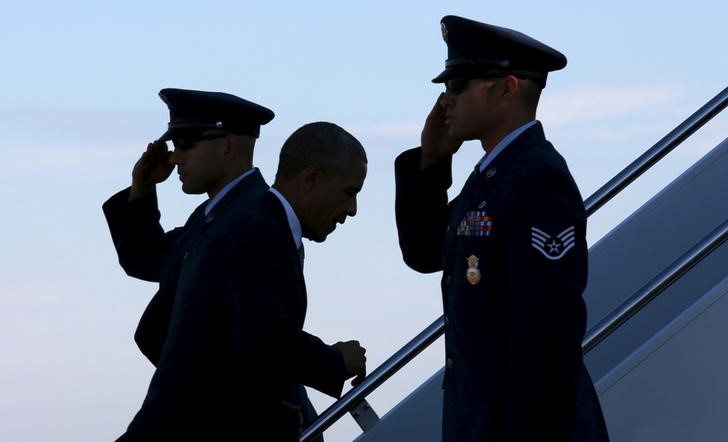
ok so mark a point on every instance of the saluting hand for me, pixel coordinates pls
(354, 359)
(435, 139)
(152, 168)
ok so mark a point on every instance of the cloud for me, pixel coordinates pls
(599, 104)
(594, 108)
(62, 142)
(30, 128)
(62, 160)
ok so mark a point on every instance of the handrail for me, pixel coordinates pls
(657, 152)
(657, 285)
(375, 379)
(592, 204)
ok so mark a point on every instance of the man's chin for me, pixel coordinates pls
(315, 237)
(319, 238)
(459, 135)
(192, 190)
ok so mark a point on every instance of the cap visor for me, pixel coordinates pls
(166, 136)
(443, 77)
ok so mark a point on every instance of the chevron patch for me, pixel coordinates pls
(552, 247)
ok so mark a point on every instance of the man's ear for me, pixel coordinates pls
(511, 85)
(310, 177)
(228, 151)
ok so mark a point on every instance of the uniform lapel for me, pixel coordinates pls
(193, 227)
(249, 185)
(198, 222)
(481, 186)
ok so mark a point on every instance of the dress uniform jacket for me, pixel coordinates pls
(224, 331)
(513, 253)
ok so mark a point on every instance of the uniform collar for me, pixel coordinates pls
(502, 144)
(225, 190)
(293, 221)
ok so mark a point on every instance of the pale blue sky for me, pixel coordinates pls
(78, 103)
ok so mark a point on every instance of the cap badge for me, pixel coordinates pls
(443, 28)
(473, 273)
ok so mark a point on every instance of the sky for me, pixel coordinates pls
(78, 104)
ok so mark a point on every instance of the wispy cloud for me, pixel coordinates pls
(630, 116)
(593, 108)
(73, 141)
(70, 141)
(599, 104)
(93, 127)
(63, 160)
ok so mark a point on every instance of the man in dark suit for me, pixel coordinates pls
(225, 337)
(511, 246)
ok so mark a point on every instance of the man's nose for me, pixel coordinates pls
(447, 100)
(351, 210)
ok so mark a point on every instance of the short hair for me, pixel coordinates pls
(321, 143)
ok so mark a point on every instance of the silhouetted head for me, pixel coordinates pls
(320, 172)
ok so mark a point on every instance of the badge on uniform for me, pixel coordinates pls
(552, 247)
(475, 223)
(473, 273)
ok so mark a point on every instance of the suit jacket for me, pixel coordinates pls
(513, 253)
(224, 331)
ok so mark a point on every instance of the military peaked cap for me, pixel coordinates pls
(200, 110)
(477, 49)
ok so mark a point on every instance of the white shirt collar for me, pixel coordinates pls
(293, 221)
(225, 190)
(502, 144)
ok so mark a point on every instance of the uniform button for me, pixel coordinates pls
(448, 279)
(185, 255)
(449, 363)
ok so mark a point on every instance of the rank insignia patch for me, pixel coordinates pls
(552, 247)
(475, 223)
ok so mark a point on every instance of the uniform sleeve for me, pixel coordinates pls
(546, 266)
(263, 329)
(138, 237)
(421, 210)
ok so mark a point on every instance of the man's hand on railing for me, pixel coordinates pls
(358, 380)
(354, 359)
